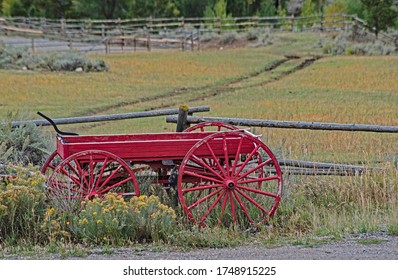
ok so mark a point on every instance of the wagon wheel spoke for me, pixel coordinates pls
(198, 170)
(216, 159)
(113, 186)
(263, 179)
(201, 162)
(261, 165)
(79, 172)
(226, 157)
(51, 163)
(243, 207)
(236, 160)
(255, 150)
(71, 177)
(206, 178)
(104, 164)
(114, 172)
(204, 199)
(201, 188)
(257, 191)
(212, 207)
(224, 204)
(252, 201)
(61, 186)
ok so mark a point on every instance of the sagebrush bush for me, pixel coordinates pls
(351, 43)
(22, 205)
(22, 144)
(20, 58)
(111, 220)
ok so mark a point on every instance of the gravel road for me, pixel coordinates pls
(375, 246)
(378, 246)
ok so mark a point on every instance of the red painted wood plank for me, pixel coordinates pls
(150, 147)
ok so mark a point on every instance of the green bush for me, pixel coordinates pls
(23, 144)
(20, 58)
(22, 205)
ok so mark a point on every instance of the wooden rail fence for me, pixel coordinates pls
(182, 33)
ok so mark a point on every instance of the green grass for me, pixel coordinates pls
(370, 241)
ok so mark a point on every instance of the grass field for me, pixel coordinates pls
(235, 83)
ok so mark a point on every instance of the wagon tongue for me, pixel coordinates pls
(55, 126)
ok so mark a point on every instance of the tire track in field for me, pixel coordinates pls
(209, 91)
(188, 90)
(226, 88)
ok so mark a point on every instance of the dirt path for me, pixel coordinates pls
(375, 246)
(378, 246)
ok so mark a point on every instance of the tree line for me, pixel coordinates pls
(379, 14)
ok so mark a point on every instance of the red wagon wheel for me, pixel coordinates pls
(236, 192)
(92, 173)
(210, 126)
(51, 163)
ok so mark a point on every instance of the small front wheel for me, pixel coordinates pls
(91, 173)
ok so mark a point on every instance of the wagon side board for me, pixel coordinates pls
(150, 147)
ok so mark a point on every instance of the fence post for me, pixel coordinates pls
(322, 21)
(33, 46)
(192, 41)
(198, 39)
(149, 40)
(292, 23)
(107, 50)
(182, 122)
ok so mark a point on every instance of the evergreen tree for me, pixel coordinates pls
(267, 8)
(379, 14)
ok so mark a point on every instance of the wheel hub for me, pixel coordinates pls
(230, 184)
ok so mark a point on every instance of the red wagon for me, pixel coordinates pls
(222, 176)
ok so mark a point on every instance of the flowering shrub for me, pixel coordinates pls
(112, 220)
(56, 226)
(22, 204)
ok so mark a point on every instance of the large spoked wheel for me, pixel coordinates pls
(210, 126)
(243, 188)
(52, 162)
(91, 173)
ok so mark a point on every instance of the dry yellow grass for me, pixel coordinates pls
(334, 89)
(131, 76)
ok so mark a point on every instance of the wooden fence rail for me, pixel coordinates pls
(112, 117)
(290, 124)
